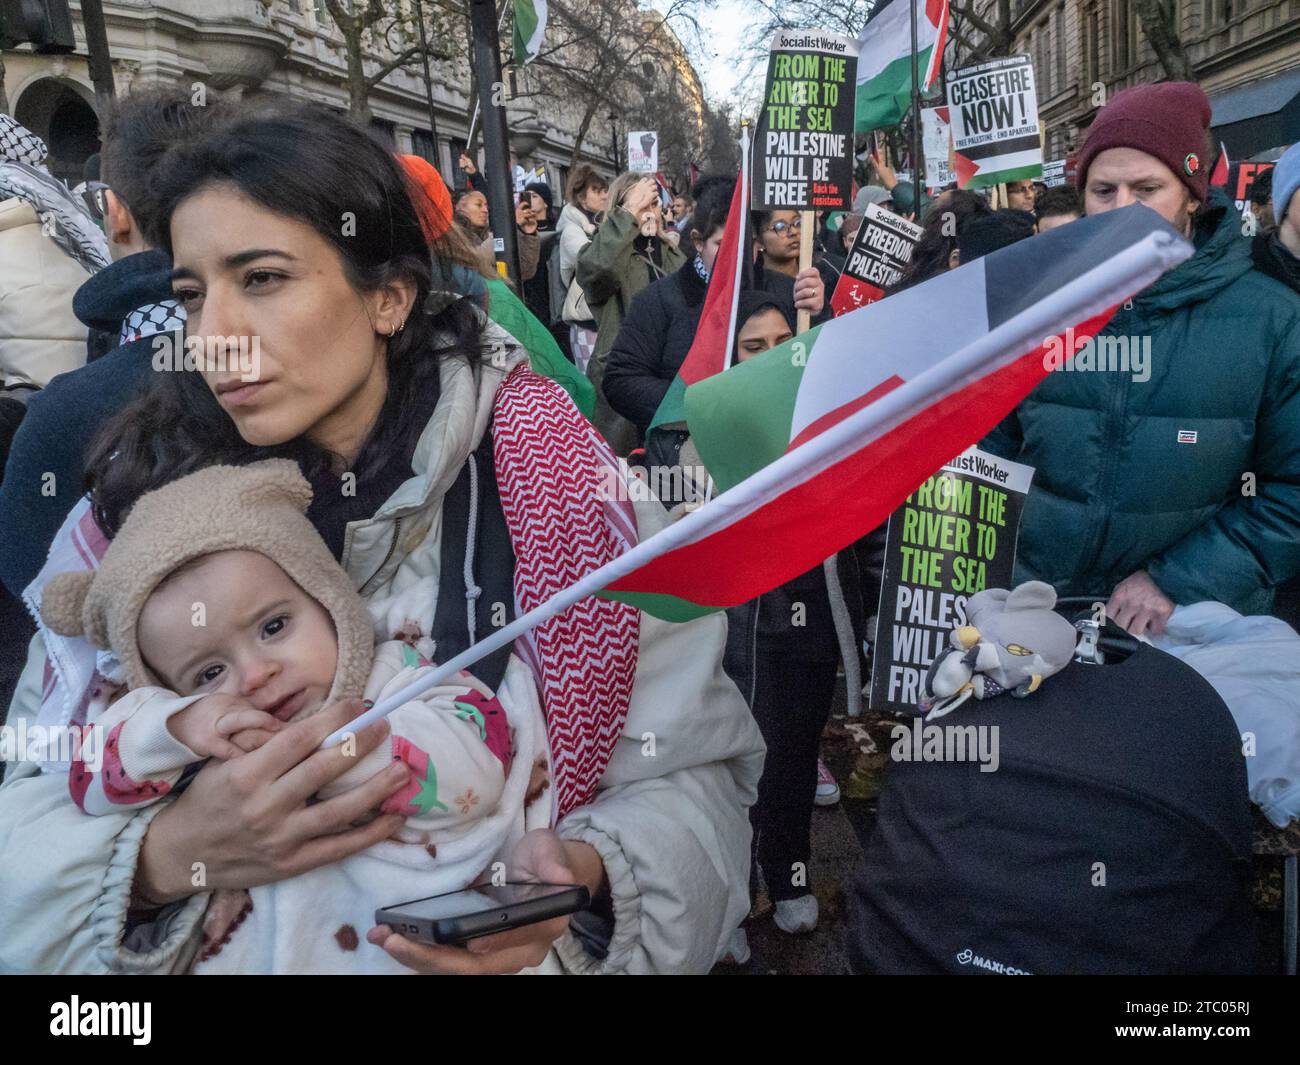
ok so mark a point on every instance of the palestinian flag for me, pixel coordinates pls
(715, 335)
(815, 442)
(530, 28)
(885, 60)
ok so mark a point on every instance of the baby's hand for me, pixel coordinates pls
(222, 726)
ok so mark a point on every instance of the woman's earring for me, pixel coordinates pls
(392, 332)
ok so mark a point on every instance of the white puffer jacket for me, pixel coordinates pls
(575, 230)
(40, 337)
(669, 821)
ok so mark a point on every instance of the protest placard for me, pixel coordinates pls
(954, 536)
(643, 151)
(936, 143)
(1241, 182)
(882, 248)
(524, 178)
(1054, 173)
(994, 114)
(804, 146)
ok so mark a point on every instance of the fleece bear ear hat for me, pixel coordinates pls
(260, 507)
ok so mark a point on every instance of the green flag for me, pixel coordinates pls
(530, 27)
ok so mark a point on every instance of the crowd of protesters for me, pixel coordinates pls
(386, 375)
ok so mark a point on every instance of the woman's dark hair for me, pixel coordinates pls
(304, 162)
(939, 236)
(712, 204)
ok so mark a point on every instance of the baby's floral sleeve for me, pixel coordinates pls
(127, 757)
(454, 738)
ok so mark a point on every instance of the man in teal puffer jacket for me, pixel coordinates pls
(1177, 478)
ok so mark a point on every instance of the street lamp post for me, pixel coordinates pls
(613, 141)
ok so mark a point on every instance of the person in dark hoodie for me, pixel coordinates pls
(133, 298)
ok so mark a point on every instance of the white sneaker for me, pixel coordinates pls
(737, 952)
(796, 916)
(828, 792)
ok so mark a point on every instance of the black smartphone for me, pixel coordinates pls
(481, 910)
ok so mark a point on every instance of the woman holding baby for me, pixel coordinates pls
(450, 487)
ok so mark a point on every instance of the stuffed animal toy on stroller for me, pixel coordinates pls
(1011, 642)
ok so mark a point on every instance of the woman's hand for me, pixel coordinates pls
(809, 291)
(1138, 605)
(467, 164)
(540, 857)
(525, 219)
(247, 822)
(641, 197)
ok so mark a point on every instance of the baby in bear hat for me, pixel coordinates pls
(230, 618)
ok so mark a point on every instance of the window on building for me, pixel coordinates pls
(1046, 85)
(1218, 12)
(1092, 45)
(457, 150)
(423, 145)
(1058, 38)
(1119, 34)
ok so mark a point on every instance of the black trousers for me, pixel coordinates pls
(792, 702)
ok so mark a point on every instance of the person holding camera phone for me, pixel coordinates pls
(626, 255)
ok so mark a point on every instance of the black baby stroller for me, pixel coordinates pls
(1113, 836)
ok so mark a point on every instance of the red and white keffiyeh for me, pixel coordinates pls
(551, 467)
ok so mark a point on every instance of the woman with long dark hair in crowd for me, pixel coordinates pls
(431, 450)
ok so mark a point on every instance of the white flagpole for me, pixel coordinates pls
(1103, 286)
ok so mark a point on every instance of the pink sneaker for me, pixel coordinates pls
(828, 792)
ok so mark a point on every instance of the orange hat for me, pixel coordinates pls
(430, 195)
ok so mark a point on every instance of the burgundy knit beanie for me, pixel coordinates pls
(1170, 121)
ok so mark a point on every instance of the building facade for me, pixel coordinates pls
(1244, 53)
(252, 48)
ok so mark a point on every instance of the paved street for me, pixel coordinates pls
(838, 835)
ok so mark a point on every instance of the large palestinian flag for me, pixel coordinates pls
(812, 444)
(885, 60)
